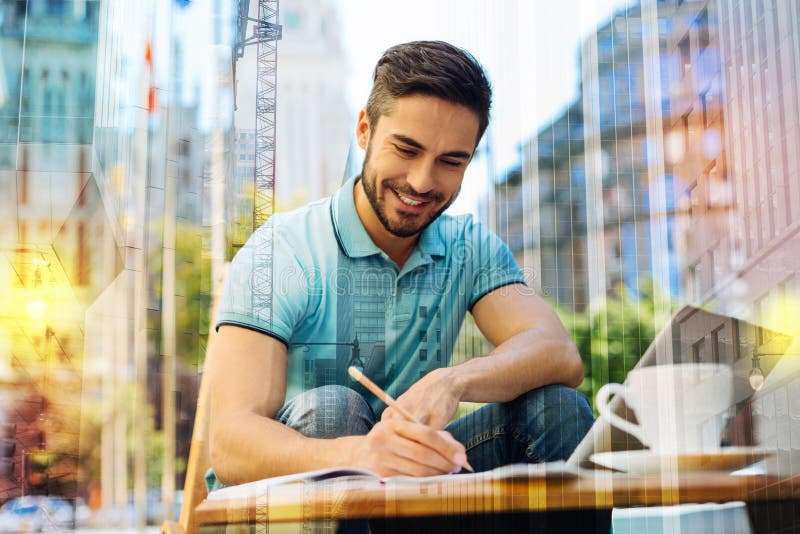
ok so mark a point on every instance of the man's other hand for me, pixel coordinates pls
(433, 399)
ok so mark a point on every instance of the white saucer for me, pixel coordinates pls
(648, 462)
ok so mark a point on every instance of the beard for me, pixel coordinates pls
(408, 224)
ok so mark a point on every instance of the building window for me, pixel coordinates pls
(694, 280)
(738, 354)
(715, 354)
(703, 34)
(694, 199)
(704, 98)
(423, 312)
(26, 97)
(55, 7)
(713, 264)
(686, 131)
(685, 50)
(438, 355)
(698, 351)
(330, 376)
(423, 336)
(423, 355)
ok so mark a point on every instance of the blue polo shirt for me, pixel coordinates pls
(315, 280)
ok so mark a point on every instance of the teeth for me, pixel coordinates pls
(408, 201)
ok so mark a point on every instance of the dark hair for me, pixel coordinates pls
(431, 68)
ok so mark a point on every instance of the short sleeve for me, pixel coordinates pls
(266, 288)
(493, 265)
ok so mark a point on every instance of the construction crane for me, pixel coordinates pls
(266, 34)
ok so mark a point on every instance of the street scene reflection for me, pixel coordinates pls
(141, 143)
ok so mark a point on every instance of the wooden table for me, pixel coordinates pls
(475, 499)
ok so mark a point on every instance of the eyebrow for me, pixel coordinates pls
(416, 144)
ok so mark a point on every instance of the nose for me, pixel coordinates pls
(420, 177)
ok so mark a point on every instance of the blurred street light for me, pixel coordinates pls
(36, 309)
(756, 376)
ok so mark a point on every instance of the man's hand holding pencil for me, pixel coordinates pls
(404, 445)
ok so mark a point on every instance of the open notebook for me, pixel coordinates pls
(356, 478)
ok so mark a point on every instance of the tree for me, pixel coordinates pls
(612, 338)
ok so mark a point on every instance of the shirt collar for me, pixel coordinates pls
(353, 237)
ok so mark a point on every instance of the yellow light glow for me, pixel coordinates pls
(36, 309)
(779, 313)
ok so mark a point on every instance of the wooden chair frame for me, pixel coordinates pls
(194, 488)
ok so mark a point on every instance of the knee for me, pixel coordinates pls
(560, 417)
(557, 404)
(328, 412)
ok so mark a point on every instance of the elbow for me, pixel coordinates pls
(216, 456)
(220, 457)
(573, 367)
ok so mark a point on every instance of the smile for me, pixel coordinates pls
(408, 201)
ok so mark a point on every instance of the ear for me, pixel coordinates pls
(363, 129)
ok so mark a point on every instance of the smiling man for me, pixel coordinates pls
(377, 276)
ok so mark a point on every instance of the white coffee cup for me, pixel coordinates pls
(680, 408)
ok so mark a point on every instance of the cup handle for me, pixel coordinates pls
(601, 401)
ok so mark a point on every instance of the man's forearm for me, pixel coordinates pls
(251, 447)
(526, 361)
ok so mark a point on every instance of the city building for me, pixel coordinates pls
(541, 213)
(239, 193)
(46, 267)
(733, 117)
(314, 123)
(115, 146)
(162, 153)
(576, 209)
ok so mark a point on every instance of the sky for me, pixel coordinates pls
(528, 47)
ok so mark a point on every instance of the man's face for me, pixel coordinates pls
(416, 159)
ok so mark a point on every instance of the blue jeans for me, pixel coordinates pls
(542, 425)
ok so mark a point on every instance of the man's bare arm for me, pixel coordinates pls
(533, 349)
(247, 370)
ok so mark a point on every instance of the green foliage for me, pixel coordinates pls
(193, 295)
(611, 338)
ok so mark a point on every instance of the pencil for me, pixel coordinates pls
(362, 379)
